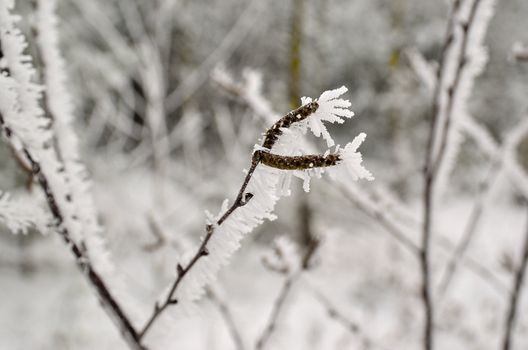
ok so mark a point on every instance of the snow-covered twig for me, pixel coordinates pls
(428, 186)
(258, 194)
(486, 143)
(462, 59)
(503, 159)
(108, 301)
(28, 131)
(249, 92)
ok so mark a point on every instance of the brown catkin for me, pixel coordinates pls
(298, 162)
(294, 116)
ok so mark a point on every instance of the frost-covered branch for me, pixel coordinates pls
(503, 159)
(262, 187)
(108, 301)
(29, 131)
(462, 59)
(479, 134)
(393, 216)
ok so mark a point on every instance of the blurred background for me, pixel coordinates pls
(172, 95)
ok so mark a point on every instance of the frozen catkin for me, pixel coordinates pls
(279, 156)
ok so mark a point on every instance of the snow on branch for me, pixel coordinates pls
(60, 109)
(464, 59)
(29, 131)
(261, 189)
(478, 133)
(376, 202)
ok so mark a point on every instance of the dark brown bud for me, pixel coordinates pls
(292, 117)
(298, 162)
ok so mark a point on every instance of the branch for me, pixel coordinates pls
(503, 159)
(351, 326)
(463, 60)
(110, 304)
(277, 308)
(471, 226)
(434, 160)
(242, 199)
(249, 93)
(279, 303)
(515, 296)
(228, 318)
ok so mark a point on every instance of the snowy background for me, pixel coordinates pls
(169, 98)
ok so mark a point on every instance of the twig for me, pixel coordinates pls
(515, 296)
(424, 260)
(279, 303)
(349, 325)
(440, 72)
(470, 228)
(156, 231)
(381, 218)
(242, 199)
(260, 106)
(110, 304)
(452, 90)
(228, 318)
(433, 162)
(501, 161)
(277, 308)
